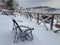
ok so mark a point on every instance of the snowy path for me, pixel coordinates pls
(41, 35)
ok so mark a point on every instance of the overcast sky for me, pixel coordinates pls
(32, 3)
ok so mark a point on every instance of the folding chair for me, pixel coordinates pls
(23, 34)
(39, 17)
(27, 14)
(5, 12)
(42, 20)
(57, 25)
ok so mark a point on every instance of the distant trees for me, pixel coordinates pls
(9, 4)
(51, 9)
(15, 4)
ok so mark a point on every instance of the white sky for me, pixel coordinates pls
(32, 3)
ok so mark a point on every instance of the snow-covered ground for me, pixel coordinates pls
(41, 35)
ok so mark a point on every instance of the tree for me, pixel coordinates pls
(10, 4)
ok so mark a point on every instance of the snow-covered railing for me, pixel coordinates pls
(29, 14)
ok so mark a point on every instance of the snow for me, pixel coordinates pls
(41, 35)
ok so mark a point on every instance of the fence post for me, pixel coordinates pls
(30, 16)
(38, 18)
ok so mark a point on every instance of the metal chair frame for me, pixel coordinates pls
(25, 34)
